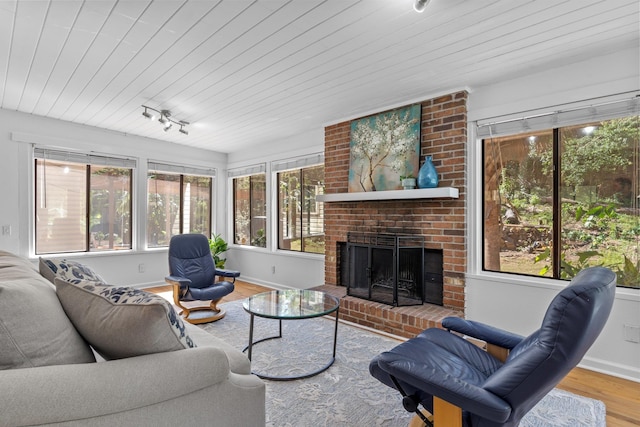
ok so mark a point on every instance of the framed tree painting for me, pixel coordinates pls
(384, 148)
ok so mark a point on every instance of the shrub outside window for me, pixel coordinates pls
(177, 204)
(250, 210)
(81, 207)
(300, 217)
(563, 199)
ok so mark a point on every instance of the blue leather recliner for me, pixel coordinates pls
(192, 273)
(475, 388)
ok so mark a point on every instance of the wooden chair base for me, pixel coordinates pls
(416, 421)
(199, 313)
(202, 315)
(444, 415)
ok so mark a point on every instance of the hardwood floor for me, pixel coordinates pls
(243, 290)
(621, 397)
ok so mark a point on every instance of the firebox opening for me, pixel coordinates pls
(393, 269)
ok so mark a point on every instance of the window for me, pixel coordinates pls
(300, 217)
(177, 203)
(82, 202)
(565, 198)
(250, 210)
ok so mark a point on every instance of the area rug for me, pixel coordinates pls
(346, 394)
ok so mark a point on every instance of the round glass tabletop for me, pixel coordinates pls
(291, 304)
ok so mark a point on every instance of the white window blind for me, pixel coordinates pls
(251, 170)
(554, 119)
(83, 158)
(298, 163)
(180, 169)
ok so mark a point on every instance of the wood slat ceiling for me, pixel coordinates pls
(250, 72)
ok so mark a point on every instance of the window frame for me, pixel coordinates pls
(89, 162)
(181, 171)
(259, 171)
(577, 117)
(303, 211)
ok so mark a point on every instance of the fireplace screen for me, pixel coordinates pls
(386, 268)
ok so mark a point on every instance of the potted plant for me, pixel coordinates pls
(408, 182)
(217, 245)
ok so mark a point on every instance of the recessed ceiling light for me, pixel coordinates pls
(420, 5)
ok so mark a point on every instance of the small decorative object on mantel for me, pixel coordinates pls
(408, 182)
(428, 176)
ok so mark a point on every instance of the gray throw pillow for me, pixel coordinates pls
(34, 329)
(122, 322)
(71, 271)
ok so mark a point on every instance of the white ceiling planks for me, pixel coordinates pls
(51, 40)
(266, 79)
(7, 14)
(193, 69)
(248, 72)
(79, 30)
(110, 45)
(29, 32)
(151, 59)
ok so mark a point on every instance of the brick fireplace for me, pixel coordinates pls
(441, 221)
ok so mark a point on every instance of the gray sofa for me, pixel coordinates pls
(49, 374)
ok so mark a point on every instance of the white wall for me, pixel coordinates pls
(516, 303)
(18, 131)
(278, 269)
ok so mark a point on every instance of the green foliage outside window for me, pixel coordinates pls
(177, 204)
(598, 199)
(250, 210)
(300, 216)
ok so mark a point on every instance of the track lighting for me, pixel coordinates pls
(146, 114)
(420, 5)
(165, 119)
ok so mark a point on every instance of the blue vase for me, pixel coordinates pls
(427, 176)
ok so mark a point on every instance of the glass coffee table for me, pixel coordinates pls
(291, 304)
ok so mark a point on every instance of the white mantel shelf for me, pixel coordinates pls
(421, 193)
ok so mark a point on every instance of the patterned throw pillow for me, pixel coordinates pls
(71, 271)
(122, 322)
(34, 329)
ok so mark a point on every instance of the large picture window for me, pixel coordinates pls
(82, 202)
(300, 217)
(250, 210)
(177, 203)
(562, 199)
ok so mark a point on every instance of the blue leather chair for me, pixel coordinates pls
(192, 273)
(463, 385)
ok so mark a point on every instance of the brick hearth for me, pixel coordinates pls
(440, 221)
(401, 321)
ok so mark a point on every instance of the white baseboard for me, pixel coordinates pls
(147, 285)
(609, 368)
(264, 283)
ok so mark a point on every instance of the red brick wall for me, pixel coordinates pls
(440, 221)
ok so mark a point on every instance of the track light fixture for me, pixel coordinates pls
(420, 5)
(147, 114)
(165, 119)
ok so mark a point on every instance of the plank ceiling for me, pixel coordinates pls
(251, 72)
